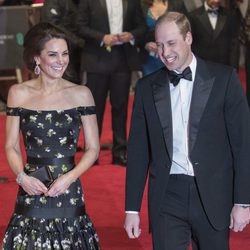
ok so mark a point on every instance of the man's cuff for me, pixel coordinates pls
(132, 42)
(243, 205)
(131, 212)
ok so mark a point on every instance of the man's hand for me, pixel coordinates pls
(132, 222)
(110, 40)
(240, 217)
(151, 47)
(125, 37)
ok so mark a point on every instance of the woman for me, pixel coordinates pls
(49, 111)
(153, 9)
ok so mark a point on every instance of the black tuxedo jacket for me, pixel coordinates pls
(220, 45)
(219, 142)
(93, 24)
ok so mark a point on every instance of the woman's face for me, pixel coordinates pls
(54, 58)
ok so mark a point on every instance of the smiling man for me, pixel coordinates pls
(190, 134)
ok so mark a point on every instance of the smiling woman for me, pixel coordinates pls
(54, 58)
(49, 111)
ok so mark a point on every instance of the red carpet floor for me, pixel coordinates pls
(104, 194)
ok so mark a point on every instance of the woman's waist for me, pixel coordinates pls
(57, 161)
(48, 168)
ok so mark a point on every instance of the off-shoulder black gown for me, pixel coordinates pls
(39, 222)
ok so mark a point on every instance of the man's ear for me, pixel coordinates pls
(189, 38)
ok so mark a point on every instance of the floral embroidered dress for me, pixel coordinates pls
(40, 222)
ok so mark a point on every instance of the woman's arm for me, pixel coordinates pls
(31, 185)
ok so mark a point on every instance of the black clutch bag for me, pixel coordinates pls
(44, 175)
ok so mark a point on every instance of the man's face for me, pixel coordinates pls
(174, 50)
(213, 3)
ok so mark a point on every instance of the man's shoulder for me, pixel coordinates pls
(214, 66)
(152, 77)
(196, 12)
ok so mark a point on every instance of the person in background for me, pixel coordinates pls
(15, 2)
(62, 13)
(112, 30)
(153, 9)
(245, 38)
(215, 32)
(190, 134)
(50, 209)
(38, 1)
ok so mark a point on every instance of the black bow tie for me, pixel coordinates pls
(213, 11)
(174, 77)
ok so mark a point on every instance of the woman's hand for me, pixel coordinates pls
(60, 185)
(33, 186)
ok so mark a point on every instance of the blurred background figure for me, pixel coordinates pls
(62, 13)
(191, 5)
(112, 31)
(14, 2)
(245, 38)
(153, 9)
(215, 32)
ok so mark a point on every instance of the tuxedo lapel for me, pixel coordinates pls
(220, 23)
(161, 95)
(204, 20)
(103, 5)
(203, 84)
(124, 8)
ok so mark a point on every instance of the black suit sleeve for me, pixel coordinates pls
(138, 155)
(135, 22)
(238, 126)
(53, 12)
(88, 21)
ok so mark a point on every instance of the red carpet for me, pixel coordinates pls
(104, 194)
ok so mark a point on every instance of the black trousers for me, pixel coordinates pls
(115, 79)
(183, 220)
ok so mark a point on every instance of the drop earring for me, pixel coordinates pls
(37, 69)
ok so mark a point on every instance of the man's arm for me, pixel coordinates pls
(84, 28)
(139, 24)
(238, 124)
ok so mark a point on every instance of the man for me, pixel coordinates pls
(192, 135)
(215, 32)
(112, 30)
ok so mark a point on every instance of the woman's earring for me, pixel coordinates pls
(37, 70)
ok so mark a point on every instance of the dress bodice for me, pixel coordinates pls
(51, 133)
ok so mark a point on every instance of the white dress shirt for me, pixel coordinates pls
(212, 17)
(115, 16)
(180, 104)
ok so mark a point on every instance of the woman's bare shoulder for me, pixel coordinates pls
(81, 94)
(19, 92)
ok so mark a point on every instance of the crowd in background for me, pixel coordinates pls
(105, 50)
